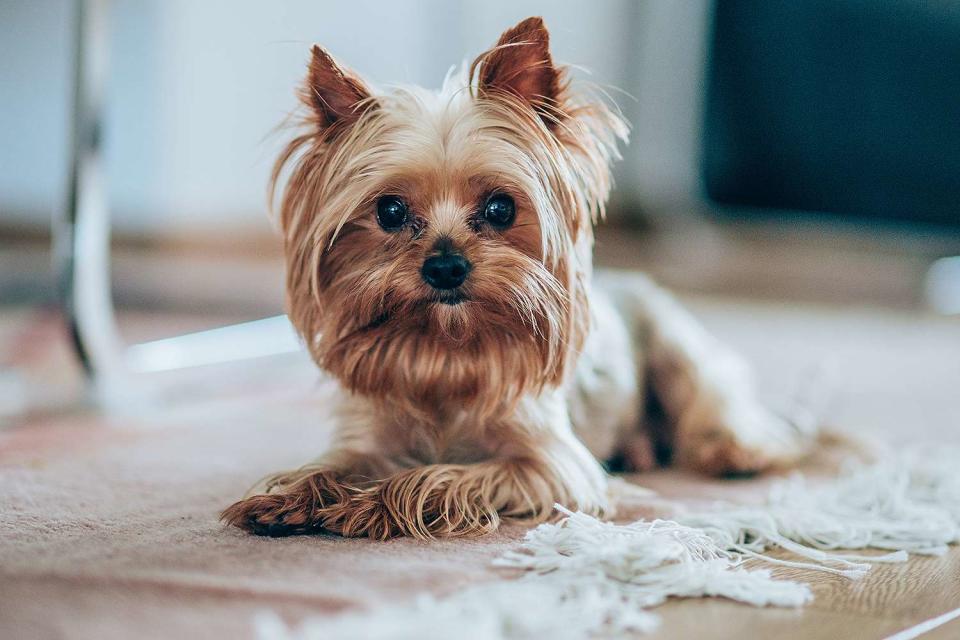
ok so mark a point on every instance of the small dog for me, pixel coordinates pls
(439, 266)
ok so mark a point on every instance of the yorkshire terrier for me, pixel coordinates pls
(438, 249)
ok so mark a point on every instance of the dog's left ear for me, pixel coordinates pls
(520, 64)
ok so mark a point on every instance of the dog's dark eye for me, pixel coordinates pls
(391, 212)
(499, 211)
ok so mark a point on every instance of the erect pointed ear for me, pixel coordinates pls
(334, 94)
(520, 64)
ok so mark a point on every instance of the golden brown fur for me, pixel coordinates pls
(456, 416)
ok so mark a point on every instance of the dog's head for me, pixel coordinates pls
(438, 243)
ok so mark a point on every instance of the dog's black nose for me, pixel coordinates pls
(445, 271)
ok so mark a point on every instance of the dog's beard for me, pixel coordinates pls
(486, 344)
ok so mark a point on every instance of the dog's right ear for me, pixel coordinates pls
(335, 95)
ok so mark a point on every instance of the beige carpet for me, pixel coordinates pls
(108, 525)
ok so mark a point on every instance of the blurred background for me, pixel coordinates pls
(799, 153)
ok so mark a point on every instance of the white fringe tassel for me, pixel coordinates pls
(585, 577)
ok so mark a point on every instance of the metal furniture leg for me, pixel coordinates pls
(82, 230)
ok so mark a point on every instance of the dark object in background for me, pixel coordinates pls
(841, 106)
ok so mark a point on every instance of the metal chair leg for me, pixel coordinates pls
(82, 231)
(82, 253)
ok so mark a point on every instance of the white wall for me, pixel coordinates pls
(196, 87)
(35, 48)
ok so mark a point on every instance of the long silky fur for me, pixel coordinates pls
(418, 368)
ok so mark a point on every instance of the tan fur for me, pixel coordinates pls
(455, 417)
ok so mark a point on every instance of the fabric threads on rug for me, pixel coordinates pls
(906, 506)
(584, 577)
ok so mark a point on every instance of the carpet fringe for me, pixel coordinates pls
(584, 577)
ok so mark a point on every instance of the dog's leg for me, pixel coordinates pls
(449, 500)
(539, 462)
(299, 501)
(535, 461)
(705, 390)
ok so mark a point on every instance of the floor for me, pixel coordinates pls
(109, 527)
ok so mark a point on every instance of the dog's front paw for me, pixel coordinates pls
(290, 508)
(743, 439)
(268, 514)
(364, 515)
(434, 501)
(426, 502)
